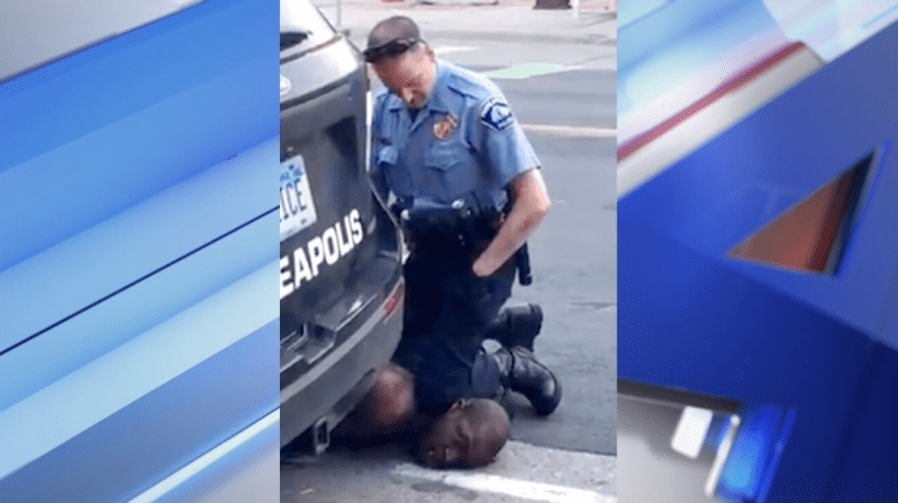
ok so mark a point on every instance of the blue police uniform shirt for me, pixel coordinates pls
(463, 141)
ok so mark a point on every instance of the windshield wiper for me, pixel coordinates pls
(291, 38)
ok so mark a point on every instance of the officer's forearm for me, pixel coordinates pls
(511, 236)
(530, 204)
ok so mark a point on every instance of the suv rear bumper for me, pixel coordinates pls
(330, 389)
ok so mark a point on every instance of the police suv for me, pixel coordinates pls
(341, 288)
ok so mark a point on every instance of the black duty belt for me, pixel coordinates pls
(458, 232)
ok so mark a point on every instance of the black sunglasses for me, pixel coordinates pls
(389, 50)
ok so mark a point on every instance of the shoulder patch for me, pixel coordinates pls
(496, 114)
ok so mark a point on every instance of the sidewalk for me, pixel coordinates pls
(501, 20)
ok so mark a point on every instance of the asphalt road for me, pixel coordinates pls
(574, 262)
(566, 103)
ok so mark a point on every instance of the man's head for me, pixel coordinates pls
(470, 434)
(402, 60)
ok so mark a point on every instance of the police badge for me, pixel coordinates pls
(445, 126)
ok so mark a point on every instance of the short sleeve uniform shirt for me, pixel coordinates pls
(465, 140)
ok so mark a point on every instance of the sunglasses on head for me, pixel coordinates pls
(389, 50)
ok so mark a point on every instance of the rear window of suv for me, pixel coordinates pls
(302, 25)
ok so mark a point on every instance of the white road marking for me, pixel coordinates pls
(481, 482)
(449, 49)
(571, 131)
(527, 70)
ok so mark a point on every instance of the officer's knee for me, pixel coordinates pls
(391, 400)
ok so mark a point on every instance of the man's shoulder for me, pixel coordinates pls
(470, 84)
(382, 101)
(382, 97)
(484, 98)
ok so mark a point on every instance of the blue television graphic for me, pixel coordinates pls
(138, 231)
(758, 237)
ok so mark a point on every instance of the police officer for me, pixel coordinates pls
(451, 157)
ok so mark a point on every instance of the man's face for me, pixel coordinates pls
(448, 442)
(410, 75)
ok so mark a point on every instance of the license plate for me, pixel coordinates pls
(297, 205)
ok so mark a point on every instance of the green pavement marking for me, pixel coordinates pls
(525, 70)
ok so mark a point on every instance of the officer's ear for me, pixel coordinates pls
(430, 53)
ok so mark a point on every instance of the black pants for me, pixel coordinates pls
(447, 313)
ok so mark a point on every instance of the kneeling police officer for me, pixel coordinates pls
(466, 187)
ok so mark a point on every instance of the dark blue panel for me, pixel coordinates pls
(689, 322)
(868, 460)
(714, 198)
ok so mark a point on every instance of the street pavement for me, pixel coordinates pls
(558, 71)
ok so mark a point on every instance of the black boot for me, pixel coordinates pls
(517, 326)
(521, 372)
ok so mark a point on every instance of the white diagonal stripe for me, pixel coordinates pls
(480, 482)
(571, 131)
(196, 466)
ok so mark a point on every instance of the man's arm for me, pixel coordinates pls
(529, 204)
(375, 171)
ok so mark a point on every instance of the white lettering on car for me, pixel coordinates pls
(286, 278)
(331, 250)
(303, 271)
(347, 244)
(306, 262)
(355, 223)
(316, 254)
